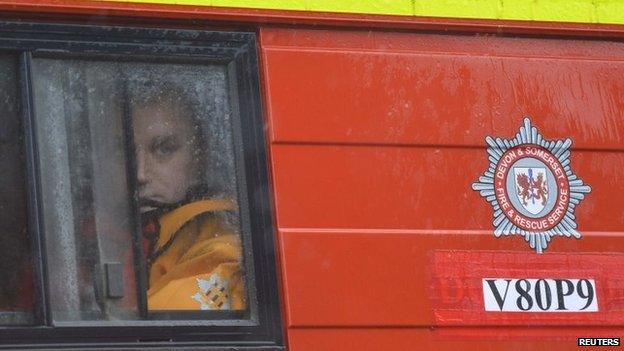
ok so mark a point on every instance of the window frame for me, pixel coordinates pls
(238, 51)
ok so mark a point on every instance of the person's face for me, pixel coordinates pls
(166, 144)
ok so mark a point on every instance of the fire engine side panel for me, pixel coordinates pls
(375, 140)
(416, 89)
(416, 188)
(374, 339)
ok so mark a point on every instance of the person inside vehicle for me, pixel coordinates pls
(190, 237)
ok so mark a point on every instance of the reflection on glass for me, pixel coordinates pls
(87, 217)
(139, 168)
(16, 287)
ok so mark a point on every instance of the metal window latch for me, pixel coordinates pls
(114, 280)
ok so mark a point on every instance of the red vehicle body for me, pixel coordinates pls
(375, 140)
(376, 132)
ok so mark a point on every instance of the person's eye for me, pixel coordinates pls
(164, 147)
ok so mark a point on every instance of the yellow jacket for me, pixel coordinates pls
(196, 262)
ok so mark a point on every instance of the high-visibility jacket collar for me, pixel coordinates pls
(172, 221)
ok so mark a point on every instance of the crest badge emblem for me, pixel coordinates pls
(531, 187)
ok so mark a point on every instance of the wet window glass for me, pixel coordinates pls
(139, 194)
(16, 275)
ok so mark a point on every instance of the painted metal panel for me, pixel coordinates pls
(584, 11)
(376, 140)
(441, 90)
(442, 339)
(356, 278)
(370, 186)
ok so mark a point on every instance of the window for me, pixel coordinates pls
(16, 291)
(137, 187)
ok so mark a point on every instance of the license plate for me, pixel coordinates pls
(539, 295)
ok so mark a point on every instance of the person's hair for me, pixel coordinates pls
(152, 93)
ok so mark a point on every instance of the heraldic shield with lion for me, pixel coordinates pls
(531, 187)
(531, 190)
